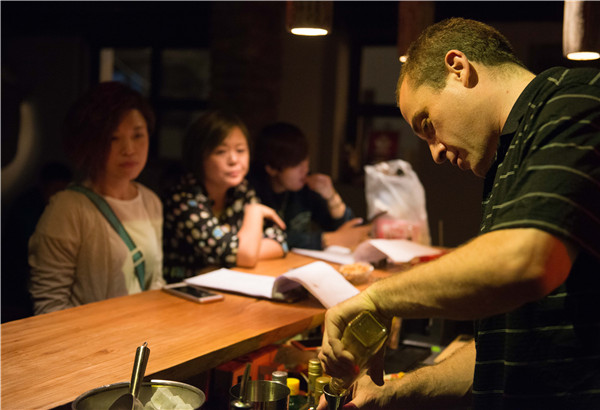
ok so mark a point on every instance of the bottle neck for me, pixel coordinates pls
(336, 386)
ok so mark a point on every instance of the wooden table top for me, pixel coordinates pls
(49, 360)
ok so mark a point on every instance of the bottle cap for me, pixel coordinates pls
(279, 376)
(294, 385)
(314, 367)
(321, 383)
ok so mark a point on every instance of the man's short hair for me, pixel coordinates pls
(480, 43)
(281, 145)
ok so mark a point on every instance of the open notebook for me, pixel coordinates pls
(325, 283)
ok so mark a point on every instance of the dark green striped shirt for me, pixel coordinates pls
(546, 354)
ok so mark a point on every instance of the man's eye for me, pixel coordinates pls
(425, 125)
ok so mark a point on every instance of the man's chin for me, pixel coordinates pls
(479, 172)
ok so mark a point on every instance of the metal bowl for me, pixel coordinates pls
(103, 397)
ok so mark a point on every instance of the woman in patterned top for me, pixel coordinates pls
(213, 217)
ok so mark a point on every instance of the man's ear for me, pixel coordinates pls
(459, 68)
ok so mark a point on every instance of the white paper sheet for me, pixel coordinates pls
(326, 284)
(398, 250)
(240, 282)
(335, 254)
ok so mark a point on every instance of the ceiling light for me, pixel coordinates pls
(309, 18)
(581, 32)
(413, 18)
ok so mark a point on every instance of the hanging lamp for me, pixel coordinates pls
(413, 18)
(309, 18)
(581, 30)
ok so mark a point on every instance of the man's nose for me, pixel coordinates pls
(438, 152)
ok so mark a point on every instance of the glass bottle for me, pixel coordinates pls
(296, 399)
(363, 337)
(279, 376)
(320, 383)
(314, 372)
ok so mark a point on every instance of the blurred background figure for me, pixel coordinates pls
(17, 227)
(75, 254)
(314, 213)
(212, 217)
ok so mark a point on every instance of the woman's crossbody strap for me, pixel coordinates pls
(106, 210)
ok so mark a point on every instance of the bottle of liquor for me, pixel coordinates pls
(296, 399)
(320, 383)
(279, 376)
(363, 337)
(314, 372)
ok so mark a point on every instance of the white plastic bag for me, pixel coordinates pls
(394, 187)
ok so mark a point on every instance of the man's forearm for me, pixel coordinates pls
(442, 385)
(494, 273)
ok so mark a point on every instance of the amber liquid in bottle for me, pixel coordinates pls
(363, 337)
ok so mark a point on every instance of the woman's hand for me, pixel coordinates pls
(250, 235)
(321, 184)
(262, 212)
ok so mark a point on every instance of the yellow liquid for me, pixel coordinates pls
(363, 337)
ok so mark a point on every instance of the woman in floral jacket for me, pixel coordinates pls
(212, 216)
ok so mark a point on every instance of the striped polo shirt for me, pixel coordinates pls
(546, 354)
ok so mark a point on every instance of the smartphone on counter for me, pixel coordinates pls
(370, 220)
(193, 293)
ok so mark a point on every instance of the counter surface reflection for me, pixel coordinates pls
(49, 360)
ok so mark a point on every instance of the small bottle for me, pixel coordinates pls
(296, 399)
(363, 337)
(320, 383)
(314, 372)
(279, 376)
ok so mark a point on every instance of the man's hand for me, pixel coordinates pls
(441, 386)
(336, 361)
(349, 235)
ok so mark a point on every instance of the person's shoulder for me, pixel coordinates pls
(244, 188)
(560, 78)
(69, 199)
(559, 90)
(66, 207)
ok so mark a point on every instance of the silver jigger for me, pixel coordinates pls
(334, 402)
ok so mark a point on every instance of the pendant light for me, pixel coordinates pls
(309, 18)
(413, 18)
(581, 30)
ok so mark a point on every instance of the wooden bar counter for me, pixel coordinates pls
(49, 360)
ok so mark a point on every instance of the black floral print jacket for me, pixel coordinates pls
(195, 238)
